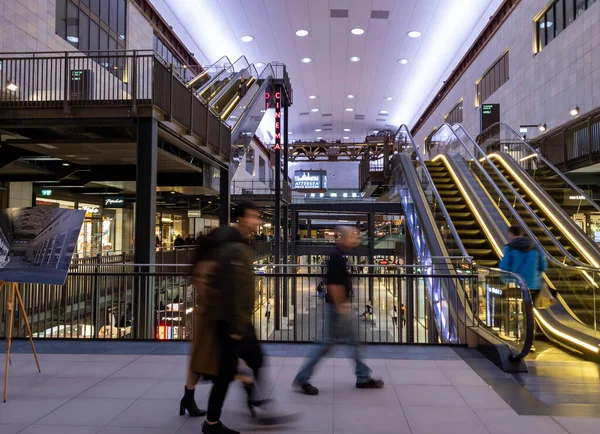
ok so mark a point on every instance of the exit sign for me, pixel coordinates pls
(46, 192)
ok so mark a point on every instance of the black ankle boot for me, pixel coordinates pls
(189, 403)
(253, 403)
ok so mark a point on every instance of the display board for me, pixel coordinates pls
(37, 244)
(310, 180)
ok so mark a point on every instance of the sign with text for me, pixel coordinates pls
(46, 193)
(194, 213)
(573, 197)
(114, 202)
(310, 180)
(489, 115)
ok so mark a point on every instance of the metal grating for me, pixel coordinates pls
(338, 13)
(380, 120)
(326, 115)
(390, 126)
(327, 125)
(327, 129)
(359, 117)
(380, 15)
(304, 114)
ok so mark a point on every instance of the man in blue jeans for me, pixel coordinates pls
(339, 288)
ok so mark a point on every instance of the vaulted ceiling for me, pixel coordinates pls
(390, 75)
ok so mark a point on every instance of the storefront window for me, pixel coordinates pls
(108, 230)
(90, 237)
(595, 227)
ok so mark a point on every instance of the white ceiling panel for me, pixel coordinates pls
(448, 27)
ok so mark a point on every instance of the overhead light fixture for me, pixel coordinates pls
(66, 164)
(314, 110)
(349, 109)
(346, 129)
(47, 146)
(403, 61)
(74, 39)
(259, 64)
(319, 138)
(11, 86)
(350, 96)
(346, 137)
(357, 31)
(354, 59)
(174, 193)
(388, 98)
(306, 60)
(414, 34)
(542, 127)
(289, 132)
(383, 112)
(312, 97)
(318, 130)
(247, 38)
(575, 111)
(302, 33)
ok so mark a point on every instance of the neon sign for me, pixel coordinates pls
(278, 120)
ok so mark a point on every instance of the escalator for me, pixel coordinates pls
(519, 200)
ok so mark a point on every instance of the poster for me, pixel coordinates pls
(37, 244)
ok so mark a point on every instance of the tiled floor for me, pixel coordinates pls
(428, 390)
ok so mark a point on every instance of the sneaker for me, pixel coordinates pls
(308, 389)
(217, 428)
(371, 383)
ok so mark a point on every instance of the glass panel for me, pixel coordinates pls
(541, 34)
(94, 36)
(95, 7)
(61, 18)
(122, 19)
(104, 10)
(591, 2)
(72, 24)
(550, 26)
(579, 7)
(113, 16)
(559, 17)
(86, 2)
(569, 12)
(84, 31)
(250, 161)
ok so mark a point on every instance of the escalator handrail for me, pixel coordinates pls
(441, 205)
(246, 112)
(190, 82)
(580, 265)
(538, 155)
(528, 314)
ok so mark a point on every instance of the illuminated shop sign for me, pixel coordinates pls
(46, 193)
(114, 202)
(310, 180)
(90, 209)
(268, 99)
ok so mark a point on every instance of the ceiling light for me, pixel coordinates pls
(301, 33)
(306, 60)
(73, 39)
(318, 130)
(71, 156)
(319, 138)
(45, 145)
(314, 110)
(402, 61)
(575, 111)
(542, 127)
(247, 38)
(66, 164)
(346, 129)
(389, 98)
(259, 64)
(11, 86)
(346, 137)
(174, 193)
(383, 112)
(354, 59)
(350, 96)
(543, 25)
(349, 109)
(357, 31)
(289, 132)
(414, 34)
(312, 97)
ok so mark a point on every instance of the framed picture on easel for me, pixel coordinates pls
(36, 246)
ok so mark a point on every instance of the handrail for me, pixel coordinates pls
(580, 265)
(443, 209)
(547, 163)
(207, 69)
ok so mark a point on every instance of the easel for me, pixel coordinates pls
(13, 291)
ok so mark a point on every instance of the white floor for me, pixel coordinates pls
(131, 394)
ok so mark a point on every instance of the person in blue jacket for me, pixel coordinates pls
(522, 257)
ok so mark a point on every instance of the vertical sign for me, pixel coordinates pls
(490, 115)
(278, 119)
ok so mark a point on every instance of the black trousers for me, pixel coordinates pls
(227, 371)
(249, 351)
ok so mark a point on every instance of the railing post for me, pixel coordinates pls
(66, 84)
(96, 306)
(170, 113)
(133, 80)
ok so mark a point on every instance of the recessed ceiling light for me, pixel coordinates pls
(314, 110)
(357, 31)
(350, 96)
(289, 132)
(259, 64)
(354, 59)
(389, 98)
(414, 34)
(319, 138)
(349, 109)
(306, 60)
(66, 164)
(346, 129)
(318, 130)
(346, 137)
(383, 112)
(402, 61)
(312, 97)
(247, 38)
(301, 33)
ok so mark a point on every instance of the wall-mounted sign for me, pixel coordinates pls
(310, 180)
(573, 197)
(489, 115)
(90, 209)
(46, 193)
(82, 84)
(194, 213)
(114, 202)
(495, 291)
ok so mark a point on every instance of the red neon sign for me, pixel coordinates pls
(278, 120)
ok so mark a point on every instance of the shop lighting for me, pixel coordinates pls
(11, 86)
(575, 111)
(542, 127)
(66, 164)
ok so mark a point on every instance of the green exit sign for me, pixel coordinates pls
(46, 192)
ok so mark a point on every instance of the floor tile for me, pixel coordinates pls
(87, 412)
(410, 364)
(433, 396)
(56, 388)
(27, 411)
(464, 377)
(579, 425)
(10, 429)
(92, 369)
(435, 420)
(151, 413)
(59, 429)
(158, 371)
(451, 364)
(427, 376)
(138, 430)
(348, 394)
(120, 388)
(350, 419)
(165, 389)
(482, 397)
(508, 422)
(283, 392)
